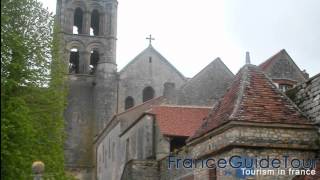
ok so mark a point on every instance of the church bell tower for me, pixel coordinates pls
(88, 29)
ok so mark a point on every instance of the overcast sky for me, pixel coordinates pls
(190, 34)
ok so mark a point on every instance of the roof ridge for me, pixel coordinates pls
(183, 106)
(270, 58)
(244, 81)
(139, 105)
(133, 60)
(168, 62)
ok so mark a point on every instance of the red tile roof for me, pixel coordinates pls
(179, 120)
(252, 97)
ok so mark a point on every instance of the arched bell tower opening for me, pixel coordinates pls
(74, 60)
(78, 21)
(95, 23)
(94, 59)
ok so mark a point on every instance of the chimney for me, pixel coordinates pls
(305, 74)
(248, 58)
(169, 92)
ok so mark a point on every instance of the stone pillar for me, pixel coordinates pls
(102, 24)
(86, 23)
(111, 31)
(86, 62)
(68, 21)
(38, 170)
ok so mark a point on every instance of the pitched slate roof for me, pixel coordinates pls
(207, 87)
(252, 97)
(271, 67)
(179, 120)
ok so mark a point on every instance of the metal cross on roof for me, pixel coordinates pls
(150, 38)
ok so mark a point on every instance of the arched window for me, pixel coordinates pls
(129, 102)
(147, 94)
(95, 20)
(77, 21)
(94, 59)
(74, 61)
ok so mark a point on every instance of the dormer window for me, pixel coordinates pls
(284, 87)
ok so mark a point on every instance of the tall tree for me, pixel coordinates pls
(32, 91)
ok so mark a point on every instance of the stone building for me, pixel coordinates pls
(125, 124)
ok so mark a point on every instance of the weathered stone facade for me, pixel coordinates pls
(307, 97)
(136, 169)
(148, 69)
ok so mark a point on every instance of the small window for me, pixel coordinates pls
(150, 59)
(147, 94)
(284, 87)
(129, 102)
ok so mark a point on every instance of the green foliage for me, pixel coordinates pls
(33, 91)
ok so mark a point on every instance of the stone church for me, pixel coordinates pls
(127, 124)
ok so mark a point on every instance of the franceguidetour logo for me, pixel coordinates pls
(242, 166)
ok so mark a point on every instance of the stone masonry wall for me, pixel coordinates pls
(141, 169)
(149, 68)
(307, 98)
(231, 173)
(258, 136)
(245, 141)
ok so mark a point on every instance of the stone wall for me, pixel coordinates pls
(252, 141)
(277, 136)
(307, 97)
(172, 173)
(231, 173)
(109, 154)
(78, 126)
(138, 140)
(149, 68)
(141, 169)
